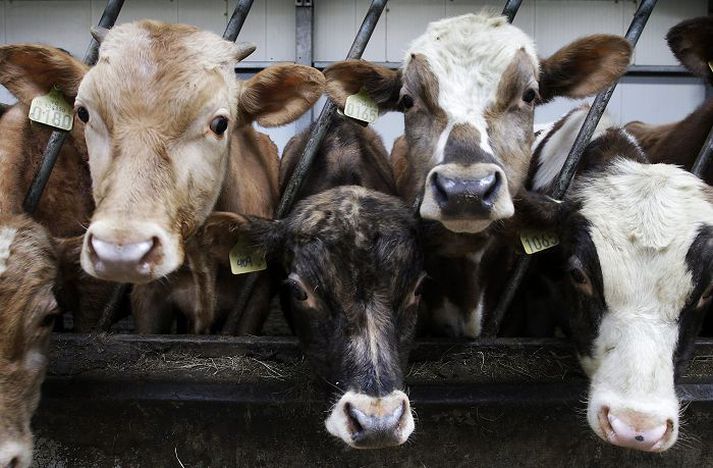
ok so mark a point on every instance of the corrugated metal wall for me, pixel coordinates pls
(271, 26)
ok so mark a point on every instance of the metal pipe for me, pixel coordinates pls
(569, 168)
(327, 114)
(511, 8)
(57, 138)
(704, 157)
(316, 137)
(237, 20)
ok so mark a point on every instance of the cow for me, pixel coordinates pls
(634, 273)
(29, 71)
(680, 142)
(166, 124)
(352, 269)
(28, 271)
(468, 88)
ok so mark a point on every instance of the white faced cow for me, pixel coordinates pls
(468, 88)
(633, 272)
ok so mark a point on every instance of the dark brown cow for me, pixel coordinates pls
(28, 270)
(66, 206)
(679, 143)
(352, 267)
(468, 88)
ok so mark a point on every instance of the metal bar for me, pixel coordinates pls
(569, 168)
(304, 51)
(237, 20)
(704, 157)
(57, 138)
(511, 8)
(319, 131)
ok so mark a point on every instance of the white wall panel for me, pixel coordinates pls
(652, 48)
(558, 22)
(61, 23)
(656, 101)
(390, 126)
(254, 29)
(525, 18)
(334, 29)
(279, 135)
(405, 20)
(280, 30)
(211, 15)
(376, 49)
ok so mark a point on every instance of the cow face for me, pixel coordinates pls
(353, 275)
(467, 88)
(159, 110)
(28, 268)
(637, 266)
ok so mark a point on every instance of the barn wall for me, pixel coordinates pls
(271, 26)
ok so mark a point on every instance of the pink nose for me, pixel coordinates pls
(118, 260)
(635, 430)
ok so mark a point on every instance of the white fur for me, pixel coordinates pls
(12, 449)
(7, 236)
(468, 55)
(555, 151)
(644, 219)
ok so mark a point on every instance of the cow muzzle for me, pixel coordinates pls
(132, 254)
(466, 198)
(367, 422)
(15, 454)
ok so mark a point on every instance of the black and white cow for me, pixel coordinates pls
(633, 272)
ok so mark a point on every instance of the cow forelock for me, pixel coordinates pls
(643, 221)
(468, 56)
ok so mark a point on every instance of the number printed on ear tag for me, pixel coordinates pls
(52, 109)
(246, 259)
(537, 241)
(361, 107)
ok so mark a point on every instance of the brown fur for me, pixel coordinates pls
(27, 308)
(66, 204)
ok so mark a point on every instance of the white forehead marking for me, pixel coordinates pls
(7, 235)
(468, 55)
(644, 218)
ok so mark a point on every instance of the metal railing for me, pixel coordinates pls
(566, 175)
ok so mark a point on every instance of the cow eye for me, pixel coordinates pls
(706, 296)
(83, 114)
(579, 277)
(406, 102)
(529, 95)
(219, 125)
(48, 321)
(296, 291)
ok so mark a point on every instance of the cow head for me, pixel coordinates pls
(353, 274)
(636, 273)
(691, 41)
(468, 88)
(28, 268)
(159, 109)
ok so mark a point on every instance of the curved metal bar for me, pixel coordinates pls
(569, 168)
(704, 157)
(237, 20)
(511, 8)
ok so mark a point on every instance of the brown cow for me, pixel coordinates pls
(680, 142)
(29, 71)
(468, 88)
(166, 130)
(352, 268)
(28, 269)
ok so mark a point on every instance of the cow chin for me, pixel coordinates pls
(642, 423)
(136, 253)
(367, 422)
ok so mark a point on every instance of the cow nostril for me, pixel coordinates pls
(439, 183)
(491, 184)
(14, 463)
(353, 418)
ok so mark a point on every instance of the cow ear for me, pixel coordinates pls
(584, 67)
(279, 94)
(534, 210)
(222, 230)
(28, 71)
(382, 84)
(692, 43)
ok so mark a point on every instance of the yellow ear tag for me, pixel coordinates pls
(710, 65)
(51, 109)
(246, 259)
(537, 241)
(361, 107)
